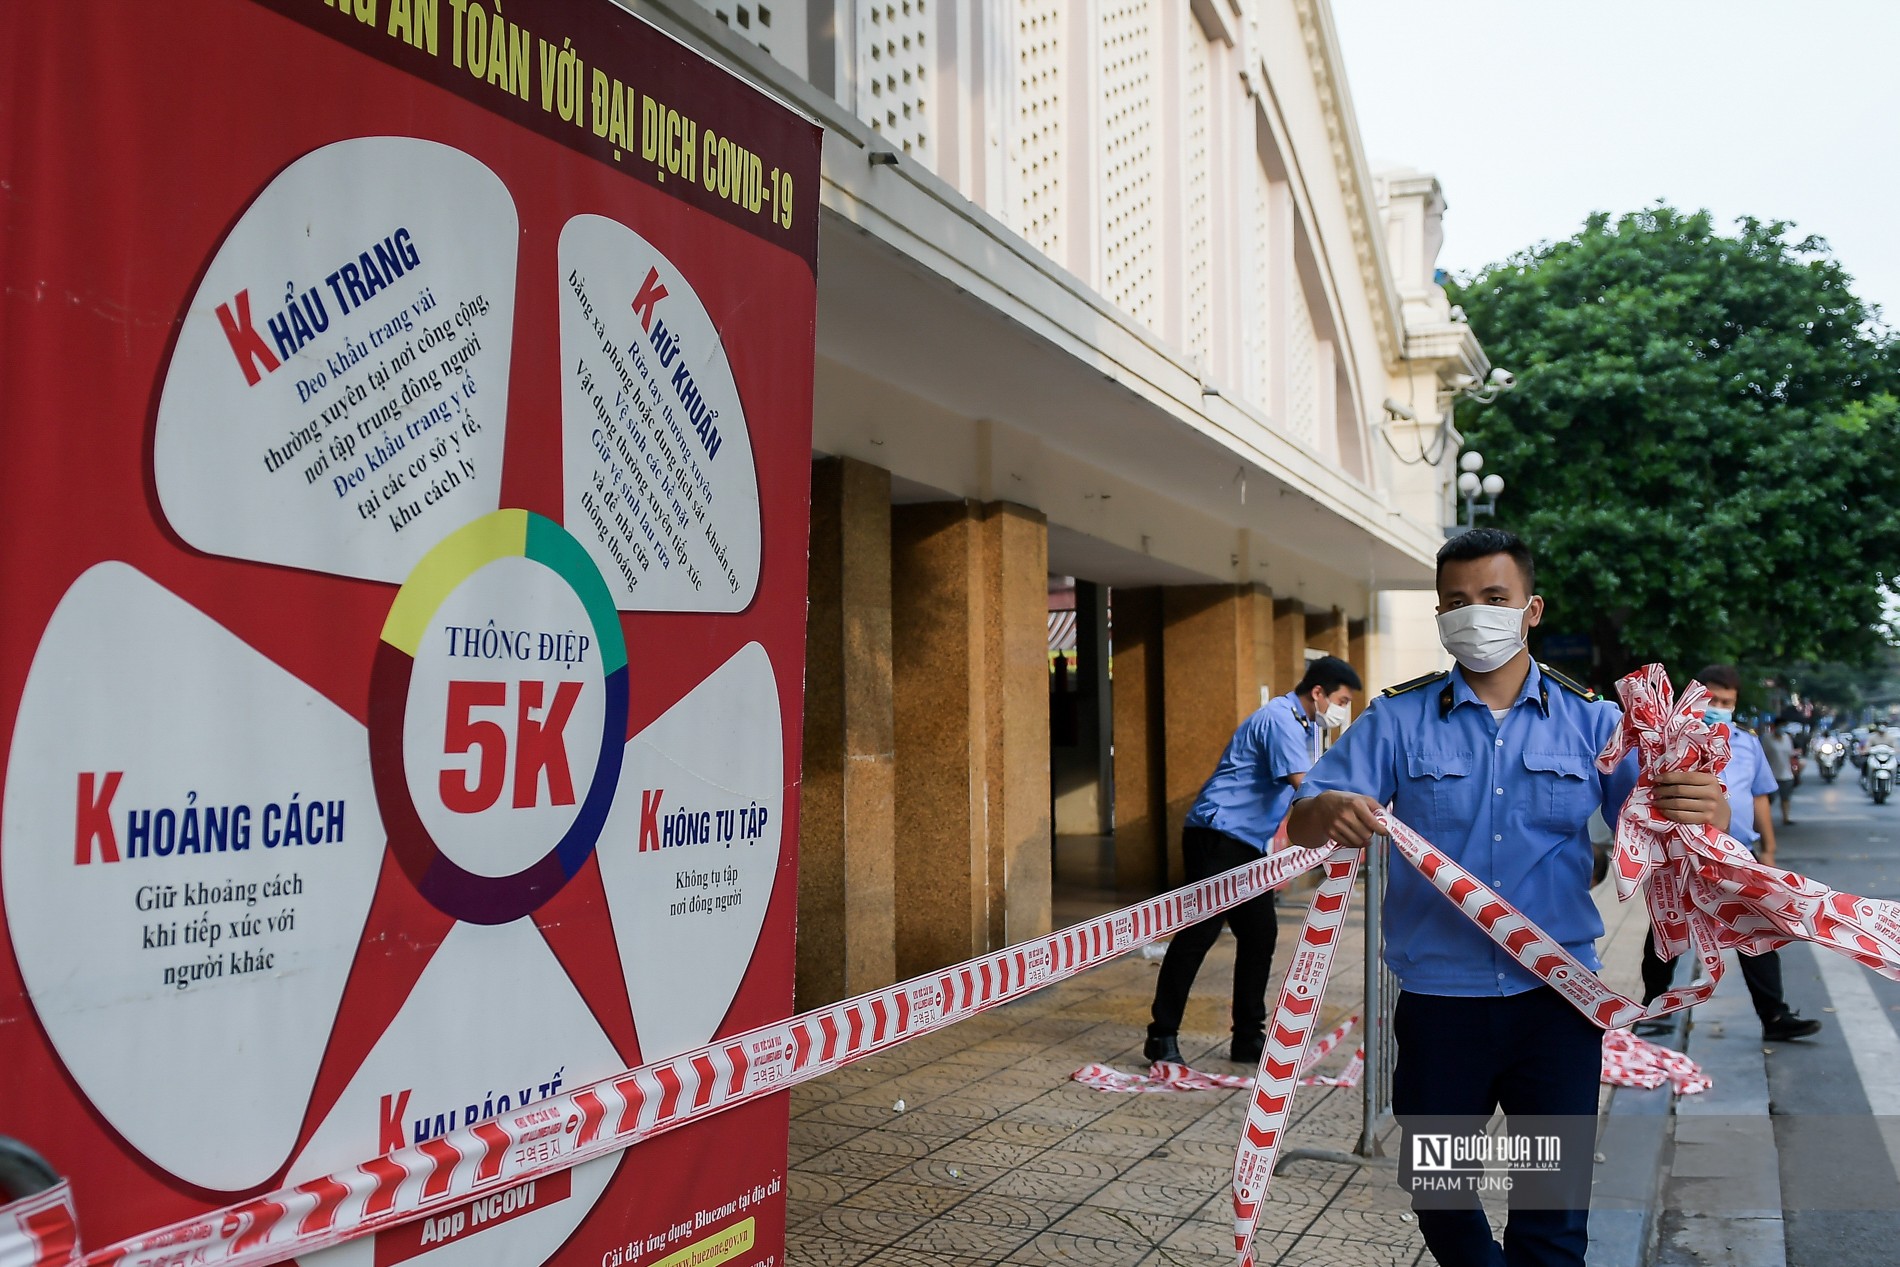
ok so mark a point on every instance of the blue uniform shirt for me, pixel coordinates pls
(1248, 793)
(1745, 777)
(1509, 800)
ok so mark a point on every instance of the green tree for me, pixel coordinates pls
(1703, 446)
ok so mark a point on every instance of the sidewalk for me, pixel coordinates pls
(998, 1158)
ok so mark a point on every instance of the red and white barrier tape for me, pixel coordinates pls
(1628, 1061)
(1289, 1032)
(555, 1134)
(40, 1230)
(1704, 891)
(1167, 1076)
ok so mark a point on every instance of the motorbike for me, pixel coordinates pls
(1878, 770)
(1830, 754)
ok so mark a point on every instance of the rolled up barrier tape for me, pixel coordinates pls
(1168, 1076)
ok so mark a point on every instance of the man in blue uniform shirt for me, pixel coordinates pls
(1750, 782)
(1232, 823)
(1494, 763)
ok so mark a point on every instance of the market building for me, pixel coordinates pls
(1122, 348)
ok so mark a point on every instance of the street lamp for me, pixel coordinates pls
(1470, 484)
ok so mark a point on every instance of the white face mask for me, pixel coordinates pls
(1483, 637)
(1336, 715)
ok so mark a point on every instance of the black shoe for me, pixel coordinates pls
(1246, 1051)
(1162, 1049)
(1789, 1025)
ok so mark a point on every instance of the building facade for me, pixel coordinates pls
(1114, 320)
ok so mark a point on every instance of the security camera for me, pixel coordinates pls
(1503, 380)
(1397, 410)
(1461, 382)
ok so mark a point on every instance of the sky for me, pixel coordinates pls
(1534, 113)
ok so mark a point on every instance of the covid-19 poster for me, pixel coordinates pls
(404, 452)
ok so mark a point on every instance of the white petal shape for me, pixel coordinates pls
(687, 915)
(158, 717)
(661, 488)
(493, 1014)
(359, 447)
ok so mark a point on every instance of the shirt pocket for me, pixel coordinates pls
(1564, 790)
(1450, 790)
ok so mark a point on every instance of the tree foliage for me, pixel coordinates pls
(1703, 447)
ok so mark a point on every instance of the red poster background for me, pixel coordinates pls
(132, 137)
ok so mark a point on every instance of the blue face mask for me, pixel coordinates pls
(1718, 716)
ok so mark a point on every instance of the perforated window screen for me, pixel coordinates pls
(1037, 138)
(894, 55)
(1302, 371)
(1259, 305)
(1128, 155)
(1198, 185)
(777, 26)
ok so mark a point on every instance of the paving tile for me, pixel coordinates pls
(1330, 1251)
(950, 1173)
(1009, 1130)
(985, 1153)
(842, 1114)
(928, 1200)
(895, 1256)
(1085, 1251)
(805, 1188)
(1064, 1161)
(1180, 1199)
(821, 1134)
(819, 1249)
(846, 1163)
(890, 1141)
(870, 1226)
(952, 1236)
(1053, 1189)
(1143, 1228)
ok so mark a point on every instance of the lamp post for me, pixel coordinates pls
(1470, 484)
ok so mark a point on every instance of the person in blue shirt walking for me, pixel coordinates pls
(1750, 780)
(1494, 763)
(1232, 823)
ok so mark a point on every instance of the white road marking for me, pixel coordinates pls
(1871, 1042)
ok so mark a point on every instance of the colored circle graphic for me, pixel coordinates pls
(451, 887)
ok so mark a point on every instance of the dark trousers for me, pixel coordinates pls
(1761, 973)
(1532, 1054)
(1205, 853)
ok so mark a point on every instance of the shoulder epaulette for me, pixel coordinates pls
(1416, 683)
(1569, 683)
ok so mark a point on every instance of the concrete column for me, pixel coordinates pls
(1141, 803)
(846, 912)
(1260, 608)
(1079, 761)
(1016, 630)
(1289, 644)
(969, 657)
(1209, 684)
(1327, 633)
(938, 725)
(1358, 655)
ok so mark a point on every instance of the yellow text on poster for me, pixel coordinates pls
(727, 1243)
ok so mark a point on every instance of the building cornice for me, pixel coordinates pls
(1355, 176)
